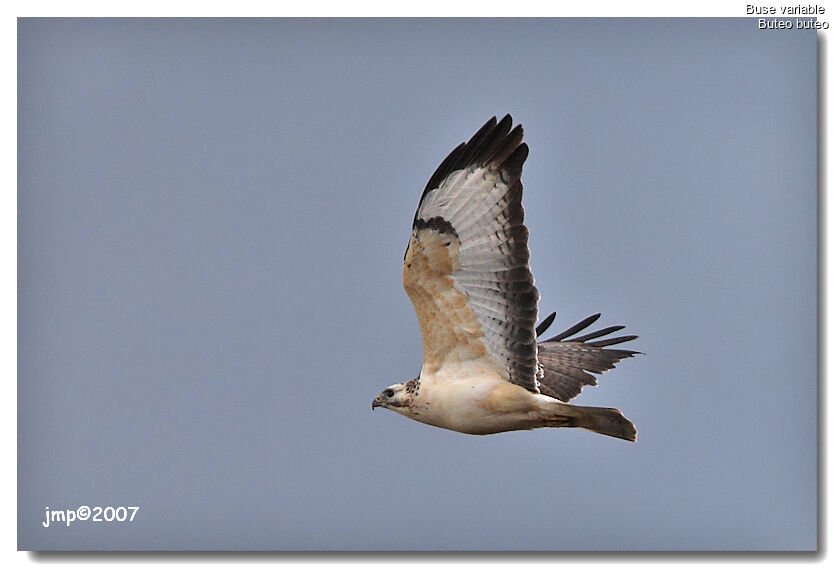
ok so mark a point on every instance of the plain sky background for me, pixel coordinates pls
(212, 218)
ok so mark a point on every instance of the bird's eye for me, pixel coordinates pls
(389, 393)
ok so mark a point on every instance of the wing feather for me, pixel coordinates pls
(466, 268)
(569, 361)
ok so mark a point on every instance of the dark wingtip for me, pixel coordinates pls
(546, 322)
(599, 333)
(612, 341)
(496, 144)
(514, 163)
(576, 328)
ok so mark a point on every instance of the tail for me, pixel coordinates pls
(608, 421)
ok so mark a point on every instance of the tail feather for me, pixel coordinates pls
(608, 421)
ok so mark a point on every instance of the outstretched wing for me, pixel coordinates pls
(466, 267)
(568, 361)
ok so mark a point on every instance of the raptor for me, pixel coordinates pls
(467, 273)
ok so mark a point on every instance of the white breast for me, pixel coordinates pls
(475, 400)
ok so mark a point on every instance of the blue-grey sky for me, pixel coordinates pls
(212, 218)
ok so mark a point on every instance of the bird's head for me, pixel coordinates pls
(396, 398)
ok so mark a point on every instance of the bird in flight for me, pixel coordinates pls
(466, 270)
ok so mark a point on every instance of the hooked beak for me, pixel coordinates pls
(375, 403)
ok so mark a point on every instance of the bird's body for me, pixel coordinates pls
(466, 271)
(469, 398)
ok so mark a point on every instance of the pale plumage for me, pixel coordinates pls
(466, 271)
